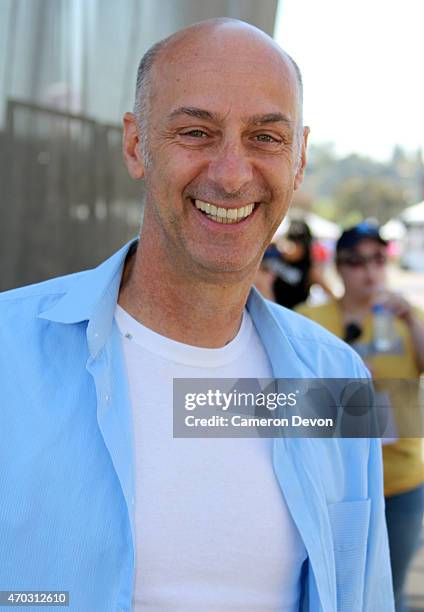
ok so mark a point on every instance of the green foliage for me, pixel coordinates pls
(375, 197)
(348, 189)
(326, 208)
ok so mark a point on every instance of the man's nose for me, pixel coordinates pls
(372, 271)
(231, 168)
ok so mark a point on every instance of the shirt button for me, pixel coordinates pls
(107, 397)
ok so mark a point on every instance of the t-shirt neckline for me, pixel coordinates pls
(143, 337)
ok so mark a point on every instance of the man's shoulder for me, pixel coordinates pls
(321, 312)
(89, 285)
(27, 338)
(328, 315)
(320, 350)
(36, 297)
(300, 326)
(418, 311)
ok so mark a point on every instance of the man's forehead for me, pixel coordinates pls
(365, 245)
(369, 243)
(227, 46)
(230, 72)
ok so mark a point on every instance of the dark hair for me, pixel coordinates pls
(299, 232)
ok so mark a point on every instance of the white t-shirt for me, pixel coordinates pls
(213, 532)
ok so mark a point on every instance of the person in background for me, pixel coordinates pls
(288, 271)
(361, 256)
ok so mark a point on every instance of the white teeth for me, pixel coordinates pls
(224, 215)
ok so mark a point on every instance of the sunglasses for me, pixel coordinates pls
(360, 261)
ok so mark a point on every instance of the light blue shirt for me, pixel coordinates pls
(67, 460)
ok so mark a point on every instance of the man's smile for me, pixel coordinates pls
(219, 214)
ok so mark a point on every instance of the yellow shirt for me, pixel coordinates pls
(403, 461)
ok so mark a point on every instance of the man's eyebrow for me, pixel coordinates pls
(259, 119)
(269, 118)
(192, 111)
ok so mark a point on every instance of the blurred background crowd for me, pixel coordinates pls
(351, 252)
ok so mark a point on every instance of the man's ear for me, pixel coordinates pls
(302, 161)
(131, 147)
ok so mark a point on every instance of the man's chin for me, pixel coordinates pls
(369, 295)
(223, 272)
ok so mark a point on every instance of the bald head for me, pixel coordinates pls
(219, 121)
(216, 39)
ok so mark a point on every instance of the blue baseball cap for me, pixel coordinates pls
(362, 231)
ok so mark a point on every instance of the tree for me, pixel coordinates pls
(375, 197)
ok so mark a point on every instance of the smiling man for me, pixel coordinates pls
(222, 149)
(97, 496)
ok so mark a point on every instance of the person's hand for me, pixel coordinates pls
(400, 307)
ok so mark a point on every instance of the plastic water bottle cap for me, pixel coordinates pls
(378, 308)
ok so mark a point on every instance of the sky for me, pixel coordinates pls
(362, 63)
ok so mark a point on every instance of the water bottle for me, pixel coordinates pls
(383, 322)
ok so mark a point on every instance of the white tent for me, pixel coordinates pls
(320, 227)
(393, 230)
(413, 243)
(413, 214)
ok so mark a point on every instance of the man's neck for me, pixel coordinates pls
(355, 308)
(186, 310)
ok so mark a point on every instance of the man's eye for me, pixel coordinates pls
(266, 138)
(195, 133)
